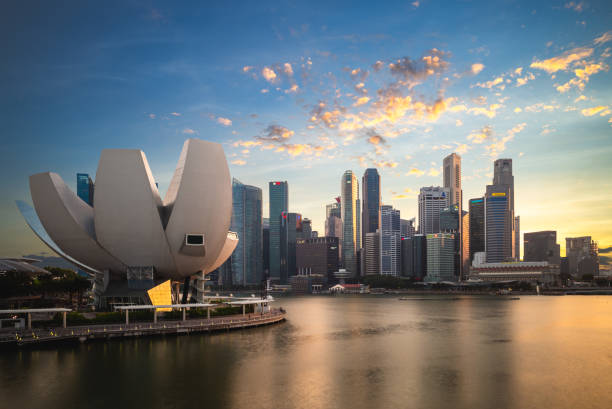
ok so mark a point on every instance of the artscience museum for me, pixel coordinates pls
(131, 240)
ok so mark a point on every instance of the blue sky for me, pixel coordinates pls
(302, 91)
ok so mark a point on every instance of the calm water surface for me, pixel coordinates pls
(344, 352)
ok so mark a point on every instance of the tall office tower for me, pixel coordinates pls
(85, 188)
(465, 243)
(407, 257)
(517, 238)
(498, 225)
(266, 246)
(371, 254)
(358, 220)
(450, 222)
(441, 257)
(333, 219)
(317, 256)
(541, 246)
(431, 201)
(452, 178)
(349, 188)
(279, 203)
(407, 227)
(370, 191)
(419, 254)
(247, 258)
(504, 182)
(390, 245)
(582, 255)
(476, 214)
(291, 229)
(306, 229)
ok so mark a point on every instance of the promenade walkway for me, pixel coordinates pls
(138, 329)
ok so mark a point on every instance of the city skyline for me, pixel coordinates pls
(429, 96)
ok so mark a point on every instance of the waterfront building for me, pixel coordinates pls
(407, 257)
(441, 256)
(370, 186)
(291, 229)
(517, 238)
(371, 254)
(431, 201)
(390, 245)
(542, 246)
(476, 214)
(247, 258)
(503, 181)
(537, 272)
(130, 234)
(266, 246)
(85, 188)
(317, 256)
(407, 227)
(582, 255)
(450, 222)
(278, 203)
(419, 254)
(465, 245)
(498, 224)
(349, 202)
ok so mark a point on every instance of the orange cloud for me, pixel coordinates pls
(481, 135)
(361, 101)
(601, 109)
(563, 61)
(224, 121)
(269, 74)
(415, 172)
(239, 162)
(604, 38)
(476, 68)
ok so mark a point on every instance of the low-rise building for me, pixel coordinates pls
(530, 271)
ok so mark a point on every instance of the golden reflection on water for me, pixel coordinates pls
(345, 352)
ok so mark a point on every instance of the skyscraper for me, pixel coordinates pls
(370, 186)
(407, 257)
(452, 179)
(390, 245)
(431, 201)
(419, 254)
(266, 246)
(476, 214)
(503, 179)
(333, 219)
(542, 246)
(85, 188)
(247, 258)
(441, 257)
(279, 203)
(451, 222)
(291, 229)
(407, 227)
(465, 243)
(582, 255)
(317, 256)
(371, 255)
(349, 188)
(306, 229)
(517, 238)
(498, 225)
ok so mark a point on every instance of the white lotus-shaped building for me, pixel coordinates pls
(130, 232)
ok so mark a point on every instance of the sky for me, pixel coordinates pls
(302, 91)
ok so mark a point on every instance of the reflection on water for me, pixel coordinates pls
(344, 352)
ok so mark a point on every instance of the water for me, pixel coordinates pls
(344, 352)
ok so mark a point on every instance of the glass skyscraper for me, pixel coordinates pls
(476, 214)
(279, 203)
(498, 227)
(85, 188)
(349, 189)
(390, 245)
(247, 258)
(291, 229)
(370, 185)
